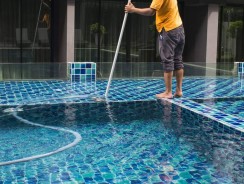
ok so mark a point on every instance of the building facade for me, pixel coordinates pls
(38, 38)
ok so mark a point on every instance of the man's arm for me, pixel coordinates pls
(130, 8)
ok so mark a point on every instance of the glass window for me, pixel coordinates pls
(36, 31)
(232, 34)
(25, 27)
(9, 35)
(139, 38)
(86, 14)
(25, 31)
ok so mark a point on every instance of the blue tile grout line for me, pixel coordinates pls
(195, 89)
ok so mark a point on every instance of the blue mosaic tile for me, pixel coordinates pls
(240, 67)
(82, 71)
(52, 92)
(128, 154)
(227, 119)
(240, 71)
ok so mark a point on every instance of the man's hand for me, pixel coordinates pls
(129, 8)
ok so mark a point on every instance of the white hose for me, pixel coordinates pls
(76, 141)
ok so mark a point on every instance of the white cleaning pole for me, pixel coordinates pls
(116, 52)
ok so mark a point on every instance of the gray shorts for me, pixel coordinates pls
(171, 45)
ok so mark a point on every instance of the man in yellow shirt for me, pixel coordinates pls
(171, 41)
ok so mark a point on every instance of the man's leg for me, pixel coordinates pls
(168, 85)
(178, 67)
(166, 52)
(179, 78)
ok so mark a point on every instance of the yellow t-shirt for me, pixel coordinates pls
(167, 14)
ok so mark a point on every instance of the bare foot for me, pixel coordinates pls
(178, 94)
(164, 95)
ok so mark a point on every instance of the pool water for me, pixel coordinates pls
(126, 142)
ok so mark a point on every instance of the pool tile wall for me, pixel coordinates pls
(240, 68)
(82, 71)
(240, 71)
(227, 120)
(233, 106)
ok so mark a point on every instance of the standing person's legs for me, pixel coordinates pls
(167, 43)
(178, 63)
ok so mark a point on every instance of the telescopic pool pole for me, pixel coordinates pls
(116, 52)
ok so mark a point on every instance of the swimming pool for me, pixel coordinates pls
(126, 142)
(132, 138)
